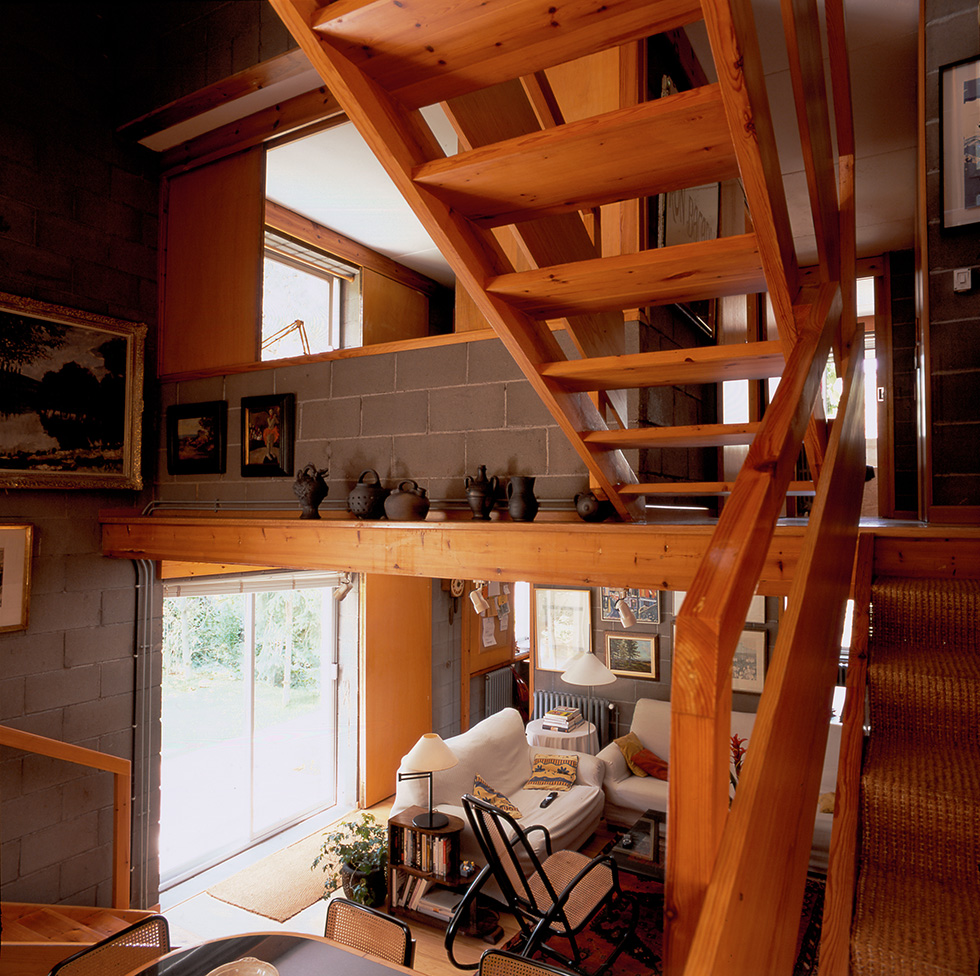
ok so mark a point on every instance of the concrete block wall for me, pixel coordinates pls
(78, 226)
(430, 415)
(954, 318)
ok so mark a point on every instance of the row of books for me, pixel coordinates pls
(562, 718)
(425, 896)
(424, 852)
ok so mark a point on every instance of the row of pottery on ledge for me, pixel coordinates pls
(481, 495)
(371, 500)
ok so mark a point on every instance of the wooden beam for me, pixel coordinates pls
(291, 64)
(577, 554)
(310, 232)
(306, 113)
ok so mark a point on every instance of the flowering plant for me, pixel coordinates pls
(738, 757)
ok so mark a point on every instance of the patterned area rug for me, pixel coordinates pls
(643, 951)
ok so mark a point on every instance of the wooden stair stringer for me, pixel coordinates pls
(402, 142)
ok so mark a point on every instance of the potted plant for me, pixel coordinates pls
(355, 855)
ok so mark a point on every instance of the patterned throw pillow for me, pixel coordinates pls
(629, 746)
(552, 773)
(650, 763)
(482, 790)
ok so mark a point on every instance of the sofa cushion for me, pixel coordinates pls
(652, 765)
(629, 746)
(552, 772)
(482, 790)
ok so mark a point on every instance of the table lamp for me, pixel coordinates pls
(427, 756)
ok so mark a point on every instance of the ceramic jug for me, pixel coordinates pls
(521, 503)
(407, 504)
(592, 509)
(310, 488)
(481, 494)
(367, 500)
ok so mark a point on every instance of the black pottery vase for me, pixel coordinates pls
(521, 503)
(481, 494)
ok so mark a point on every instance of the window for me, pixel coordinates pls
(304, 296)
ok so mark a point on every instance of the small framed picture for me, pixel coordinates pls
(16, 548)
(267, 435)
(959, 125)
(197, 435)
(632, 656)
(645, 604)
(749, 663)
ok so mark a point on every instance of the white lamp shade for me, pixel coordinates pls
(429, 754)
(587, 669)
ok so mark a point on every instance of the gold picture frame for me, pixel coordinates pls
(71, 397)
(16, 550)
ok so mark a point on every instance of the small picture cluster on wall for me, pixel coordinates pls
(197, 436)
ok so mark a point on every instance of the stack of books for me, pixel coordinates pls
(562, 718)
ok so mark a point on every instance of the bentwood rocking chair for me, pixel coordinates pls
(556, 897)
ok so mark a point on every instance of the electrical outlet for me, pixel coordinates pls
(962, 279)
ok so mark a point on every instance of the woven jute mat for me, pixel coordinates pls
(280, 885)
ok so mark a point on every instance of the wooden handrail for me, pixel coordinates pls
(121, 770)
(835, 931)
(749, 920)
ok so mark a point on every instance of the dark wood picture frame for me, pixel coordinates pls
(959, 142)
(74, 385)
(197, 437)
(267, 435)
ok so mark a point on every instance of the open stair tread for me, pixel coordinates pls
(470, 44)
(666, 275)
(33, 922)
(641, 150)
(697, 435)
(907, 923)
(706, 488)
(671, 367)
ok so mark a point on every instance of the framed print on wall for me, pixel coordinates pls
(197, 434)
(959, 123)
(644, 603)
(71, 397)
(632, 657)
(749, 662)
(16, 547)
(267, 435)
(562, 626)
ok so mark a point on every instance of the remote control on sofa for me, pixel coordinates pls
(549, 799)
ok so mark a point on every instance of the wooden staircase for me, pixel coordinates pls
(506, 211)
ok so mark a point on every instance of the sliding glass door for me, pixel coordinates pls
(248, 742)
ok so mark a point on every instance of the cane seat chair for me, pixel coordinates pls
(556, 897)
(369, 930)
(498, 962)
(132, 947)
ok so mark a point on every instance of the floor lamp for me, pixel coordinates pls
(588, 670)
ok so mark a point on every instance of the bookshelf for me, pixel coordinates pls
(421, 861)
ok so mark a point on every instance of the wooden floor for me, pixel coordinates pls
(200, 917)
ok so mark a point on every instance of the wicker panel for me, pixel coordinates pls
(560, 868)
(366, 930)
(494, 962)
(126, 950)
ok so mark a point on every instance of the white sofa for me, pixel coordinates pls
(629, 796)
(497, 749)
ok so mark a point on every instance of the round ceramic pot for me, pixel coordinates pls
(367, 499)
(375, 888)
(407, 504)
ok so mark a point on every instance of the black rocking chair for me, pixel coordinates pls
(555, 897)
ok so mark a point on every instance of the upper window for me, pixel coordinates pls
(305, 293)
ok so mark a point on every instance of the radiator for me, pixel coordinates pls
(595, 710)
(498, 690)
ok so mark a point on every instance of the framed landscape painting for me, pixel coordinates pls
(196, 437)
(632, 657)
(16, 547)
(267, 435)
(71, 397)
